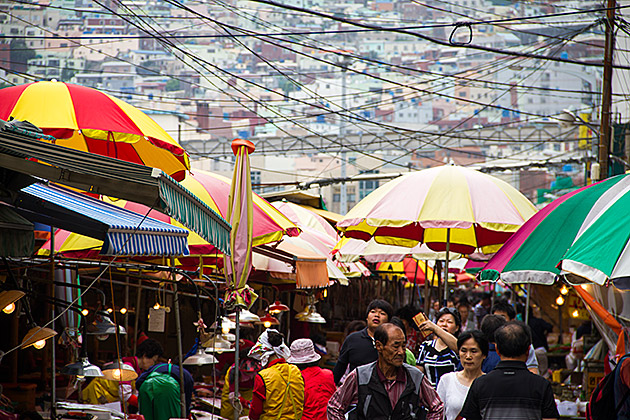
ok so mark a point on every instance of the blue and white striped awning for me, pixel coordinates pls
(122, 231)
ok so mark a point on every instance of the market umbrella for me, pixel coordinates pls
(351, 250)
(449, 208)
(238, 264)
(305, 218)
(320, 235)
(270, 225)
(533, 253)
(300, 249)
(601, 249)
(417, 272)
(89, 120)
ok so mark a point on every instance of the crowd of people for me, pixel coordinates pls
(460, 361)
(477, 362)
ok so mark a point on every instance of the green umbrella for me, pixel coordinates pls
(600, 250)
(533, 253)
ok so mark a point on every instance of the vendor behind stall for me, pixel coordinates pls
(248, 368)
(159, 396)
(102, 391)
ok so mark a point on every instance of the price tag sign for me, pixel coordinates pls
(157, 320)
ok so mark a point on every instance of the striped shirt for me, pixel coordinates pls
(436, 363)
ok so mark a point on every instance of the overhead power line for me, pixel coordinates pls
(436, 40)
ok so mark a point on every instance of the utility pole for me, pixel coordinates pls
(343, 192)
(606, 129)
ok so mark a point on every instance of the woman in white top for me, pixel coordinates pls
(453, 387)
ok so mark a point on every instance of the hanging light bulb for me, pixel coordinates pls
(156, 306)
(277, 307)
(244, 317)
(268, 321)
(119, 371)
(123, 310)
(560, 301)
(109, 310)
(37, 337)
(8, 299)
(226, 325)
(564, 290)
(85, 312)
(325, 294)
(575, 313)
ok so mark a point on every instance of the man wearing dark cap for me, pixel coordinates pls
(358, 348)
(510, 390)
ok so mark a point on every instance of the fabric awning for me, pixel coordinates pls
(18, 238)
(112, 177)
(122, 231)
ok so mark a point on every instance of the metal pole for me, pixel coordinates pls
(136, 321)
(179, 350)
(237, 405)
(448, 248)
(415, 282)
(343, 192)
(605, 128)
(427, 294)
(53, 391)
(126, 320)
(529, 289)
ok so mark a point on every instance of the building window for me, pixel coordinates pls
(366, 187)
(336, 198)
(256, 179)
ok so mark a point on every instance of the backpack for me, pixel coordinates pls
(601, 405)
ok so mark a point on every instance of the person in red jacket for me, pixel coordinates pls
(319, 384)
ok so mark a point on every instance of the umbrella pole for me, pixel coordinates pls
(427, 298)
(53, 385)
(448, 246)
(529, 289)
(137, 318)
(179, 347)
(237, 405)
(415, 283)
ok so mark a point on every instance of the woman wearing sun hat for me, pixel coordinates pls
(319, 384)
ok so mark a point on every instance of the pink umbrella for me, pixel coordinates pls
(320, 235)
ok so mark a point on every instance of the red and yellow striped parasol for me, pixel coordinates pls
(86, 119)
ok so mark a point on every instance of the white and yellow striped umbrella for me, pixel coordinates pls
(451, 204)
